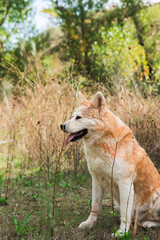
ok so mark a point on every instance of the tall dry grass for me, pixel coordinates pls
(30, 123)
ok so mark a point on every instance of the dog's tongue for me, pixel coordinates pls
(70, 137)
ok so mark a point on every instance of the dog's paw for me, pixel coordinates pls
(149, 224)
(86, 224)
(145, 224)
(119, 234)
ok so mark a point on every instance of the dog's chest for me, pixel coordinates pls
(99, 165)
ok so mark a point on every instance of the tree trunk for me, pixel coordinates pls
(141, 42)
(84, 42)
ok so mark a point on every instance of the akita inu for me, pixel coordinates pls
(116, 163)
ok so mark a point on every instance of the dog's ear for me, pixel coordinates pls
(81, 98)
(98, 103)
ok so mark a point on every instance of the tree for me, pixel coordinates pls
(132, 9)
(117, 63)
(81, 21)
(12, 11)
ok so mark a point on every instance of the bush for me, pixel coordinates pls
(120, 60)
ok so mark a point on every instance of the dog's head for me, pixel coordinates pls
(86, 119)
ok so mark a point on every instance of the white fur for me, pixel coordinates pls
(149, 224)
(100, 168)
(74, 125)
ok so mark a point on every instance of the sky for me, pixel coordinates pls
(41, 20)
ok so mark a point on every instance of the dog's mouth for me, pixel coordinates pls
(75, 136)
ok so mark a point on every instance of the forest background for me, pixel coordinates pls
(88, 46)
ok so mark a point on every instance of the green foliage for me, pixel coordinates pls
(3, 201)
(12, 11)
(127, 8)
(1, 179)
(20, 59)
(21, 227)
(133, 6)
(46, 206)
(12, 14)
(119, 58)
(91, 54)
(80, 24)
(149, 19)
(145, 21)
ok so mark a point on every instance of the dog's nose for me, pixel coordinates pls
(62, 127)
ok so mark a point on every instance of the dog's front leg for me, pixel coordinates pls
(97, 196)
(126, 191)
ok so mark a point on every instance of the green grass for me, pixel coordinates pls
(30, 209)
(21, 228)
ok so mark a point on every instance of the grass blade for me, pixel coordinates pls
(25, 221)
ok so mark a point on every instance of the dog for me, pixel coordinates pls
(116, 163)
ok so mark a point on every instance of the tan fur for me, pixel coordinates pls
(111, 148)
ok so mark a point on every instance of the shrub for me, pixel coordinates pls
(120, 60)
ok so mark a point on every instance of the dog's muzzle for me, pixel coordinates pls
(63, 127)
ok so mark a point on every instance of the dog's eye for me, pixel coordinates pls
(78, 117)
